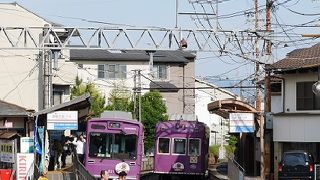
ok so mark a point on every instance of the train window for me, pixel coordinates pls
(163, 145)
(100, 145)
(194, 147)
(179, 146)
(116, 146)
(97, 126)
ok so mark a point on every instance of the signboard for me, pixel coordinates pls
(24, 165)
(62, 120)
(7, 151)
(241, 123)
(26, 144)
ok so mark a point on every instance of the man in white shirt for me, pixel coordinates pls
(80, 148)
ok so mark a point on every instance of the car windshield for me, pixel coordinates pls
(294, 159)
(115, 146)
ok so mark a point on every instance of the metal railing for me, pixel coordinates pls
(30, 173)
(235, 170)
(79, 170)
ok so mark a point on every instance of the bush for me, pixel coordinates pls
(214, 149)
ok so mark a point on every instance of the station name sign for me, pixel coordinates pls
(241, 123)
(62, 120)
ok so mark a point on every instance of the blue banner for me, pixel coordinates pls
(41, 136)
(36, 142)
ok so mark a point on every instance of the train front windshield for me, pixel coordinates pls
(113, 146)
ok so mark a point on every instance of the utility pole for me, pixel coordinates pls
(134, 94)
(267, 140)
(258, 97)
(137, 90)
(139, 93)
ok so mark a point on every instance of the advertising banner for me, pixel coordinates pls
(25, 165)
(7, 151)
(26, 144)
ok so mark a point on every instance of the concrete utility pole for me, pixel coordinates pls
(134, 93)
(139, 93)
(258, 97)
(137, 90)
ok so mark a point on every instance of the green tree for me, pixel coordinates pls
(98, 100)
(231, 145)
(119, 99)
(153, 110)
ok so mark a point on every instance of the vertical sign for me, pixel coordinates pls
(241, 122)
(7, 151)
(24, 165)
(26, 144)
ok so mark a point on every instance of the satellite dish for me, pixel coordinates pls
(316, 88)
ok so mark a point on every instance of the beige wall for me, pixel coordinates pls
(19, 69)
(174, 101)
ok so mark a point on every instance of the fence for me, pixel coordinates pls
(235, 171)
(79, 170)
(147, 163)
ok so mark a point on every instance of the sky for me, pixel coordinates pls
(290, 19)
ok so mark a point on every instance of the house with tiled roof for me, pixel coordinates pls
(170, 72)
(15, 122)
(296, 105)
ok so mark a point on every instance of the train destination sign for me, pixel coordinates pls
(62, 120)
(241, 123)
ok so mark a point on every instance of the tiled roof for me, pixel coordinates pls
(177, 56)
(163, 86)
(7, 109)
(299, 59)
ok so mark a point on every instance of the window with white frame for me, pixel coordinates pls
(179, 146)
(194, 147)
(305, 98)
(163, 145)
(160, 72)
(112, 71)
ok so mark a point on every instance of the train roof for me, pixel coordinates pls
(173, 122)
(132, 121)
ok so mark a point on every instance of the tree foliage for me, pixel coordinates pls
(231, 145)
(153, 110)
(98, 100)
(119, 99)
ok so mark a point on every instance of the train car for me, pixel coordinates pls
(114, 144)
(181, 150)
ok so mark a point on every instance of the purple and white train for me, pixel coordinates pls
(115, 145)
(181, 149)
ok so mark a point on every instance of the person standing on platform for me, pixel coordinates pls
(80, 148)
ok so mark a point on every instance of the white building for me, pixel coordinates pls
(21, 81)
(205, 94)
(296, 119)
(170, 72)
